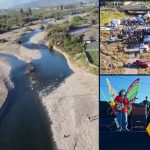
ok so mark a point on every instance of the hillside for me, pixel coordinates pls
(45, 3)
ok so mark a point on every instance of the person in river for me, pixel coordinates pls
(121, 104)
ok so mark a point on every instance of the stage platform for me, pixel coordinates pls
(133, 140)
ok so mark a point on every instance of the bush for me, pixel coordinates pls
(3, 40)
(28, 29)
(18, 41)
(58, 35)
(77, 20)
(42, 27)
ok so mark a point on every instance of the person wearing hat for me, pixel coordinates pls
(122, 103)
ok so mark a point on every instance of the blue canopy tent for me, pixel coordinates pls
(148, 30)
(126, 20)
(140, 16)
(146, 38)
(129, 30)
(138, 20)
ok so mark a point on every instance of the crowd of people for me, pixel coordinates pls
(131, 33)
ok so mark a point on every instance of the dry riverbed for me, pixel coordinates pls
(12, 47)
(5, 83)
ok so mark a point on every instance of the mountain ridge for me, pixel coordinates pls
(45, 3)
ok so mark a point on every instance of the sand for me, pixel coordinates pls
(13, 48)
(5, 83)
(70, 107)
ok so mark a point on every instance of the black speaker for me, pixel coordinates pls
(104, 109)
(139, 110)
(108, 124)
(138, 122)
(147, 120)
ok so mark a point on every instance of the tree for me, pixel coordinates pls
(21, 12)
(29, 11)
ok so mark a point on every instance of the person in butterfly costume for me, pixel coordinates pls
(122, 103)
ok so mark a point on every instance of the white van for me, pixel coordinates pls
(116, 21)
(144, 48)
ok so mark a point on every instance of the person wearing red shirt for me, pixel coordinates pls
(122, 103)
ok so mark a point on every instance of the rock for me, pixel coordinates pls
(120, 64)
(114, 57)
(30, 69)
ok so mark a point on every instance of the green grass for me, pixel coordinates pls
(83, 63)
(92, 53)
(107, 16)
(92, 46)
(93, 57)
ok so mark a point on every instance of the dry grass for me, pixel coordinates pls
(145, 56)
(110, 55)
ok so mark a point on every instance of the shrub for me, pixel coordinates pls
(3, 40)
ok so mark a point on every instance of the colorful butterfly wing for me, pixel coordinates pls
(133, 90)
(112, 91)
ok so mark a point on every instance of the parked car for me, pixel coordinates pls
(144, 48)
(141, 63)
(112, 39)
(105, 29)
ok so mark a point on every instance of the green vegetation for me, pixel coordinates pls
(107, 16)
(78, 21)
(92, 53)
(3, 40)
(27, 29)
(42, 27)
(58, 35)
(73, 45)
(13, 19)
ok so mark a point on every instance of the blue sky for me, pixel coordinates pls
(4, 4)
(123, 82)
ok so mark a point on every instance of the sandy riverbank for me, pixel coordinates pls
(70, 107)
(5, 83)
(13, 48)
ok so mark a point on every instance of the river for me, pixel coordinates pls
(24, 122)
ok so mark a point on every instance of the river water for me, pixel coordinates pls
(24, 122)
